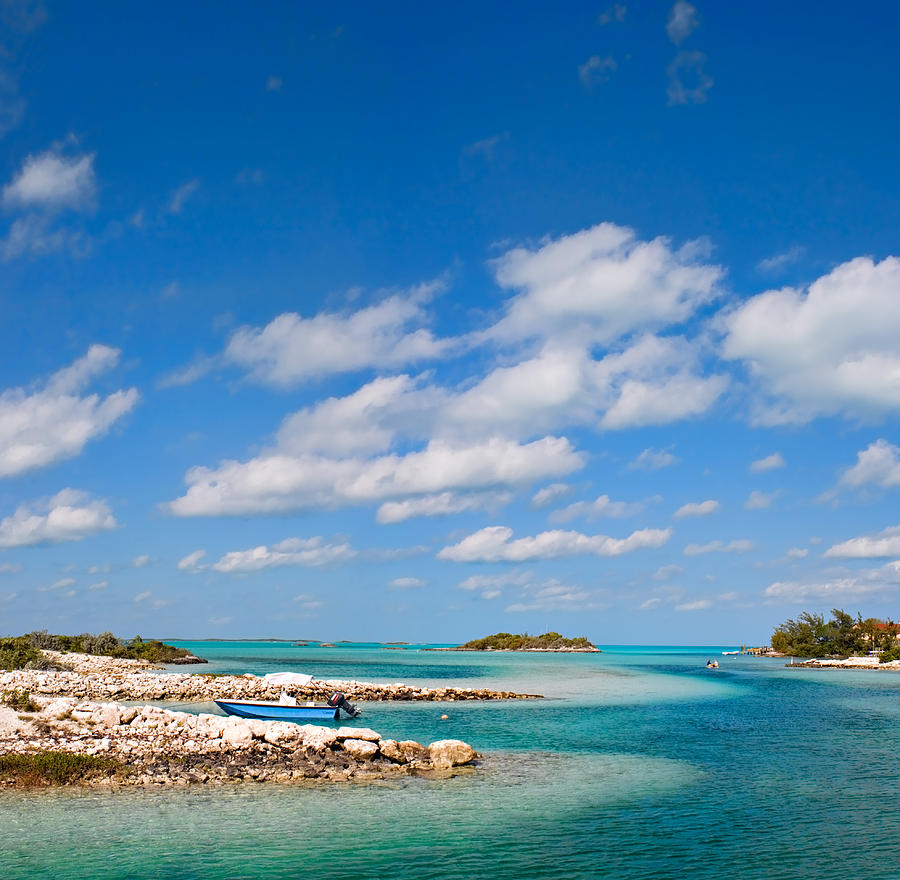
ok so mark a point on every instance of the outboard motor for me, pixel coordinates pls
(338, 701)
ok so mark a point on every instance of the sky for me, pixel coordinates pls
(421, 323)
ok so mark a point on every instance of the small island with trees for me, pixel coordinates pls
(549, 642)
(838, 639)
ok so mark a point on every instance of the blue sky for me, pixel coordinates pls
(414, 323)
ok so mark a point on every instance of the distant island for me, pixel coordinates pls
(24, 652)
(551, 641)
(843, 636)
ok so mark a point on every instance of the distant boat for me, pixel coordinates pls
(288, 709)
(726, 653)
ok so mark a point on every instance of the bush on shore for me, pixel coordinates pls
(810, 635)
(53, 768)
(19, 700)
(24, 652)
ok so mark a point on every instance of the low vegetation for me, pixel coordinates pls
(810, 635)
(24, 652)
(522, 642)
(54, 768)
(20, 700)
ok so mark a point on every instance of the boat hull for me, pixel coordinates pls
(278, 712)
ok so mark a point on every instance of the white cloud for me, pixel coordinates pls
(828, 590)
(615, 13)
(182, 194)
(141, 561)
(877, 465)
(100, 585)
(515, 578)
(407, 583)
(666, 571)
(552, 596)
(493, 544)
(884, 543)
(829, 349)
(276, 482)
(549, 494)
(292, 349)
(682, 21)
(688, 81)
(310, 552)
(601, 283)
(55, 422)
(742, 545)
(769, 463)
(696, 605)
(596, 70)
(10, 567)
(486, 147)
(442, 504)
(777, 262)
(143, 596)
(51, 182)
(602, 506)
(697, 508)
(758, 500)
(69, 515)
(798, 553)
(61, 584)
(308, 602)
(191, 562)
(37, 235)
(652, 460)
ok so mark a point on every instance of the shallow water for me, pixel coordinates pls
(640, 764)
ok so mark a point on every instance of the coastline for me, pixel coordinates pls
(848, 663)
(147, 745)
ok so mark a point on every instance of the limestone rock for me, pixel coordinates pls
(318, 738)
(237, 734)
(59, 708)
(361, 749)
(447, 753)
(357, 733)
(282, 733)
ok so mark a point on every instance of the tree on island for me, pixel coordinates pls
(810, 635)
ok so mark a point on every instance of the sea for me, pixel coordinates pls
(638, 763)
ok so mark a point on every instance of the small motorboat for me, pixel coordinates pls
(288, 709)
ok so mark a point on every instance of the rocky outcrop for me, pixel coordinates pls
(159, 746)
(142, 683)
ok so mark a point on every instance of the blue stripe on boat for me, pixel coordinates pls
(276, 711)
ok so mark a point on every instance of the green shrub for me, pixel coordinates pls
(54, 768)
(19, 700)
(890, 654)
(504, 641)
(18, 653)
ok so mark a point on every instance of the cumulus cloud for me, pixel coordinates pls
(876, 465)
(688, 80)
(549, 494)
(884, 543)
(442, 504)
(826, 349)
(741, 545)
(798, 553)
(652, 460)
(494, 544)
(602, 506)
(596, 70)
(141, 561)
(833, 589)
(516, 578)
(53, 181)
(61, 584)
(553, 595)
(277, 482)
(769, 463)
(309, 552)
(600, 284)
(697, 508)
(758, 500)
(682, 21)
(70, 515)
(407, 583)
(292, 349)
(43, 426)
(777, 262)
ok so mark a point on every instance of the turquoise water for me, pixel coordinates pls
(640, 764)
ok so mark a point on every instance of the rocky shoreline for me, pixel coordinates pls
(106, 678)
(146, 745)
(848, 663)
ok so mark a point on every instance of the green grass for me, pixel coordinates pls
(19, 700)
(54, 768)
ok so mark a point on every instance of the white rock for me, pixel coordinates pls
(282, 733)
(447, 753)
(59, 708)
(318, 738)
(360, 748)
(237, 734)
(357, 733)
